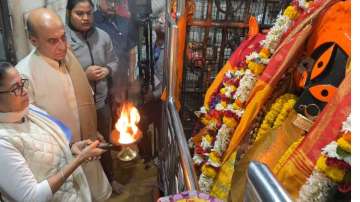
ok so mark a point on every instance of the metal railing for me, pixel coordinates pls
(177, 172)
(263, 186)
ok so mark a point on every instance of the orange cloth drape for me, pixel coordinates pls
(180, 58)
(265, 85)
(279, 62)
(268, 150)
(295, 171)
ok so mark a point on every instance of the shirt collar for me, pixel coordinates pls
(53, 63)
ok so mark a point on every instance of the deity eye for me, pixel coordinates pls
(323, 93)
(321, 63)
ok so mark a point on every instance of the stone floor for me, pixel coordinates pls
(139, 179)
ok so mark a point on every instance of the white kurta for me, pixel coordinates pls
(31, 151)
(51, 83)
(16, 179)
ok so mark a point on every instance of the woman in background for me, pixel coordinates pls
(94, 50)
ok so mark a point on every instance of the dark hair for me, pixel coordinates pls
(72, 3)
(70, 6)
(4, 66)
(30, 28)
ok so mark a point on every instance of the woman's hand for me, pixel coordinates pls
(78, 146)
(88, 150)
(94, 72)
(104, 72)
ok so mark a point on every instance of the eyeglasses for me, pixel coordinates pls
(18, 90)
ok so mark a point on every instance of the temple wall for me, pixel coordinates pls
(19, 9)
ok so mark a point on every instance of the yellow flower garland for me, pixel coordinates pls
(277, 114)
(209, 138)
(335, 174)
(284, 112)
(264, 53)
(344, 145)
(256, 68)
(208, 171)
(291, 12)
(214, 157)
(230, 122)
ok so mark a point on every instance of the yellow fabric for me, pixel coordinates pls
(222, 184)
(291, 178)
(287, 154)
(268, 149)
(295, 171)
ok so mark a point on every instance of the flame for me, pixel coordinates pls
(126, 124)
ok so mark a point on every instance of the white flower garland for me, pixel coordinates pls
(205, 144)
(205, 183)
(214, 163)
(222, 139)
(316, 189)
(318, 185)
(228, 91)
(234, 74)
(203, 110)
(273, 37)
(219, 107)
(211, 125)
(191, 143)
(237, 112)
(330, 151)
(255, 57)
(346, 126)
(246, 83)
(198, 160)
(304, 4)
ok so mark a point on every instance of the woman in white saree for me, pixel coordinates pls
(36, 162)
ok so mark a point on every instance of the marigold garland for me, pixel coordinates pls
(228, 101)
(333, 168)
(278, 112)
(333, 173)
(344, 145)
(291, 12)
